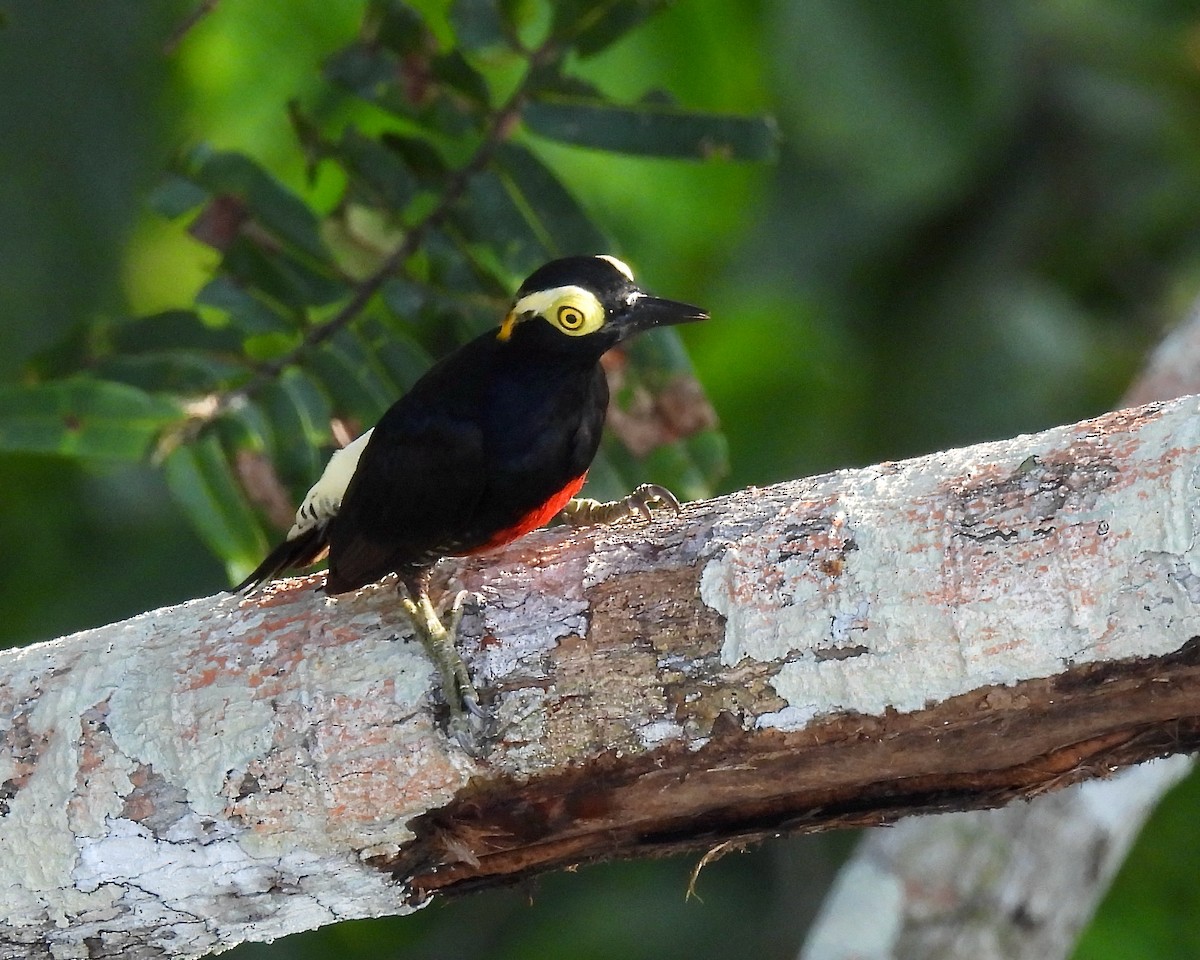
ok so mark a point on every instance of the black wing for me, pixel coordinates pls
(412, 498)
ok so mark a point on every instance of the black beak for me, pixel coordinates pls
(646, 312)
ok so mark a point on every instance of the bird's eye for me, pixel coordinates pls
(570, 318)
(569, 309)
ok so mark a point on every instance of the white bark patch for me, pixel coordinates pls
(206, 758)
(659, 732)
(890, 588)
(533, 599)
(222, 728)
(176, 877)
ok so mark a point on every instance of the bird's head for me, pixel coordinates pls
(587, 305)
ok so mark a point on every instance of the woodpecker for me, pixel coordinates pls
(493, 441)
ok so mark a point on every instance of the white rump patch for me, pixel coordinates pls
(323, 501)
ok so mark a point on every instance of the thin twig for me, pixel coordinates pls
(171, 44)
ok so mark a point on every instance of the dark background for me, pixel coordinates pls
(984, 214)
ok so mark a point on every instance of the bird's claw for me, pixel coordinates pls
(582, 512)
(439, 641)
(456, 608)
(639, 502)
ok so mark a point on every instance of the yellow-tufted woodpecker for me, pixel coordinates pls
(493, 441)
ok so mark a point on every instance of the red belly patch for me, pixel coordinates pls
(537, 517)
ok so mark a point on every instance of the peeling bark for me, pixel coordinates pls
(943, 633)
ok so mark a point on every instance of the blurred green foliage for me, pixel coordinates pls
(981, 216)
(318, 316)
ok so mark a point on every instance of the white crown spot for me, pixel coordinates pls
(620, 265)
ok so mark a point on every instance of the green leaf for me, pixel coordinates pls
(455, 72)
(201, 480)
(673, 463)
(454, 117)
(298, 413)
(420, 156)
(73, 352)
(272, 346)
(449, 265)
(403, 298)
(551, 83)
(478, 24)
(177, 195)
(709, 451)
(693, 464)
(365, 71)
(245, 427)
(489, 216)
(592, 27)
(561, 221)
(274, 206)
(399, 27)
(280, 276)
(379, 168)
(248, 313)
(352, 378)
(397, 352)
(440, 93)
(521, 16)
(84, 418)
(658, 355)
(670, 464)
(460, 298)
(652, 129)
(405, 363)
(171, 371)
(172, 330)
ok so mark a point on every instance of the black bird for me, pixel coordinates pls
(493, 441)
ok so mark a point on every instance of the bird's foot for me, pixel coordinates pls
(581, 512)
(439, 642)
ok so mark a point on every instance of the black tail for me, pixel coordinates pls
(302, 551)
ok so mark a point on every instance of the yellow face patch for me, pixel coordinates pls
(571, 310)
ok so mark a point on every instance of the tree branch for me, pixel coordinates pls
(1019, 882)
(949, 632)
(1015, 883)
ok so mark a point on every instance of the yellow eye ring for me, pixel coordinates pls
(570, 318)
